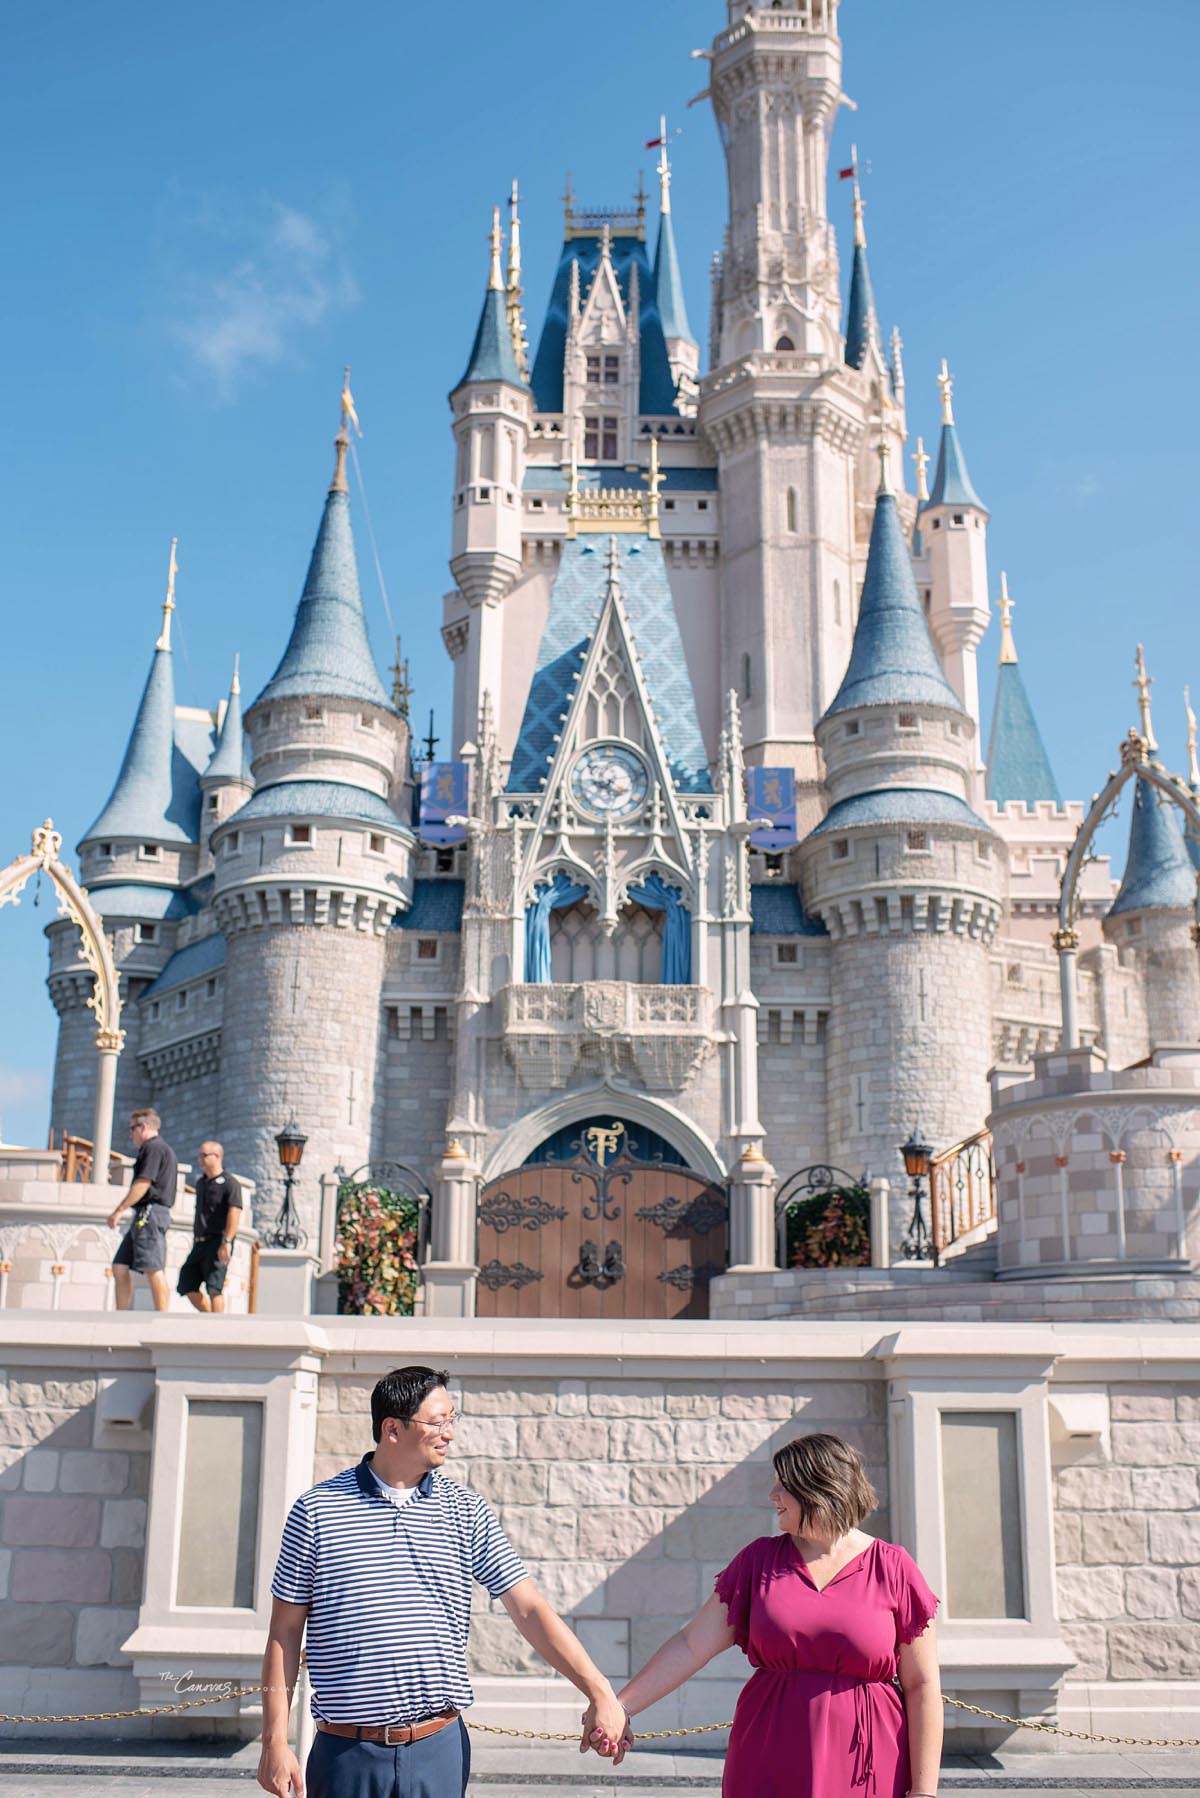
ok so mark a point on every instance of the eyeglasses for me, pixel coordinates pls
(436, 1423)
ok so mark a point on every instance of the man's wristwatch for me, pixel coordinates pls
(229, 1241)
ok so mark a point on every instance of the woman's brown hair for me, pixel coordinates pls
(827, 1479)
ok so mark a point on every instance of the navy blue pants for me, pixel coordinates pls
(437, 1766)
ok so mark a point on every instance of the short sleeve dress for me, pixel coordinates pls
(821, 1716)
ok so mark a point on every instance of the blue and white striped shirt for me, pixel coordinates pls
(388, 1590)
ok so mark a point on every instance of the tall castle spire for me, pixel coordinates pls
(142, 803)
(862, 321)
(951, 482)
(493, 354)
(1017, 764)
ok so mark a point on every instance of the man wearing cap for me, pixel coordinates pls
(151, 1193)
(377, 1566)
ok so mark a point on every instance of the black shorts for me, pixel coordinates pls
(203, 1267)
(144, 1245)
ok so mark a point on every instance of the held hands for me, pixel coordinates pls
(610, 1740)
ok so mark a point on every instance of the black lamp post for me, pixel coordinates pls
(286, 1233)
(918, 1159)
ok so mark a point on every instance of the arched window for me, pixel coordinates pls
(791, 508)
(746, 681)
(784, 343)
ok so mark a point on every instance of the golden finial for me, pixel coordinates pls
(349, 414)
(164, 641)
(1143, 683)
(235, 685)
(454, 1151)
(860, 236)
(1193, 765)
(1008, 647)
(654, 481)
(664, 167)
(341, 444)
(921, 458)
(569, 205)
(945, 382)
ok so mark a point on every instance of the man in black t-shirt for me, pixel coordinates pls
(151, 1194)
(218, 1214)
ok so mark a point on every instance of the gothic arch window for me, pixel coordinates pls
(784, 342)
(792, 510)
(747, 682)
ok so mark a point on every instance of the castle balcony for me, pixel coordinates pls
(658, 1035)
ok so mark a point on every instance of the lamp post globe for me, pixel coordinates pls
(285, 1232)
(918, 1243)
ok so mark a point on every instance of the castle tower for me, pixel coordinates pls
(1017, 764)
(492, 412)
(1150, 920)
(954, 532)
(309, 875)
(134, 861)
(226, 782)
(785, 411)
(682, 348)
(908, 881)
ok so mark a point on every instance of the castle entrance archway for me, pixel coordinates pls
(603, 1226)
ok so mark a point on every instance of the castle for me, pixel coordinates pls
(664, 580)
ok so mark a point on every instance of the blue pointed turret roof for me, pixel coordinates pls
(656, 395)
(668, 283)
(329, 651)
(862, 320)
(1158, 870)
(951, 482)
(147, 801)
(892, 659)
(228, 761)
(492, 357)
(1017, 764)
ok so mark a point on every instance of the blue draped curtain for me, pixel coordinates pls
(656, 895)
(552, 897)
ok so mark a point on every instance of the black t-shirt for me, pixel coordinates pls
(215, 1198)
(156, 1163)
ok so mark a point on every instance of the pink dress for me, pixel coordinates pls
(820, 1717)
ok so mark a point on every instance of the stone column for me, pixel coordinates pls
(108, 1047)
(752, 1214)
(449, 1277)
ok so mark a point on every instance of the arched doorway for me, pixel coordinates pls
(603, 1226)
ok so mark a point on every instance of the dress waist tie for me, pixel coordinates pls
(863, 1739)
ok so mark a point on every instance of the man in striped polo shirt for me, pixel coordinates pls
(378, 1564)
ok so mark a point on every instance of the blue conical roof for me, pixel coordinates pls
(892, 660)
(329, 651)
(493, 357)
(668, 283)
(144, 802)
(229, 757)
(1159, 870)
(862, 325)
(951, 482)
(1017, 764)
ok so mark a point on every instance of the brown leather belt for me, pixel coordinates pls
(392, 1735)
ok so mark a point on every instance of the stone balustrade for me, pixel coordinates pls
(661, 1033)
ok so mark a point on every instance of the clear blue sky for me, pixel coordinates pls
(217, 206)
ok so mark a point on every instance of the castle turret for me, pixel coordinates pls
(1151, 918)
(954, 533)
(226, 782)
(309, 874)
(682, 348)
(862, 320)
(493, 412)
(1017, 764)
(907, 879)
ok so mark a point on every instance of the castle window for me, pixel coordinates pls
(957, 518)
(788, 953)
(593, 370)
(427, 948)
(485, 494)
(791, 508)
(210, 988)
(1013, 973)
(300, 833)
(537, 505)
(954, 729)
(907, 721)
(853, 727)
(600, 439)
(668, 505)
(985, 851)
(153, 1010)
(149, 852)
(106, 848)
(841, 849)
(367, 721)
(746, 676)
(612, 371)
(377, 844)
(936, 523)
(443, 861)
(265, 720)
(784, 343)
(774, 865)
(702, 505)
(214, 802)
(917, 842)
(230, 844)
(181, 1000)
(145, 933)
(312, 714)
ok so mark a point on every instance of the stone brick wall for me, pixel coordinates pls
(1128, 1541)
(72, 1529)
(625, 1497)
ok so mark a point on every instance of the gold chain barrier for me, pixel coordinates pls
(643, 1735)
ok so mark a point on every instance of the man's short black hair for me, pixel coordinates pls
(401, 1393)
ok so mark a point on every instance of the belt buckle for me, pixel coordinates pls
(402, 1737)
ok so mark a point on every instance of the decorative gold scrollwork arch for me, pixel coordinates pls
(105, 1002)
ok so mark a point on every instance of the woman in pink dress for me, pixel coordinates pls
(829, 1618)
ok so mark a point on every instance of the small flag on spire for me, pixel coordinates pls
(847, 174)
(348, 411)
